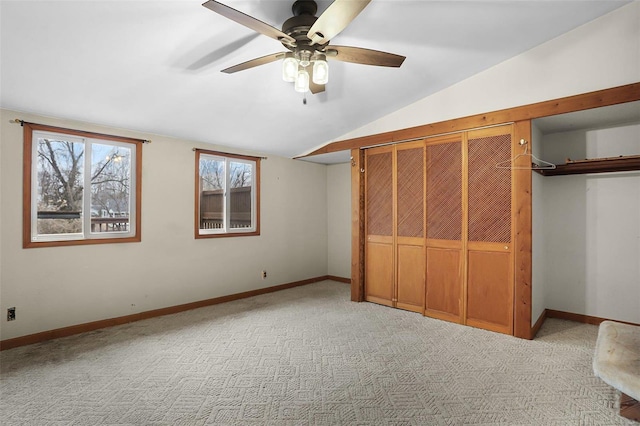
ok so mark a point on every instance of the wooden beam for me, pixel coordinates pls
(357, 225)
(600, 98)
(522, 233)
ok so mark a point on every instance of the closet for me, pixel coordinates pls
(586, 210)
(438, 226)
(481, 263)
(395, 244)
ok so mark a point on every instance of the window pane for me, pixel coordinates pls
(240, 196)
(59, 186)
(110, 188)
(212, 182)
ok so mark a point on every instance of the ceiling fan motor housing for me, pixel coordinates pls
(299, 25)
(304, 7)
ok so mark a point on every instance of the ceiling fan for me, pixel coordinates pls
(307, 39)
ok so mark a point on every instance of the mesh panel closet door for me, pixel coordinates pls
(410, 255)
(444, 191)
(444, 231)
(410, 192)
(490, 261)
(379, 194)
(379, 267)
(489, 189)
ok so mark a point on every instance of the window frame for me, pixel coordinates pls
(226, 232)
(29, 176)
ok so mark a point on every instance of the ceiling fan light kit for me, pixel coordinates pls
(307, 38)
(320, 69)
(289, 68)
(302, 81)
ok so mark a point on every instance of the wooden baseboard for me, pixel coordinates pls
(339, 279)
(538, 324)
(95, 325)
(587, 319)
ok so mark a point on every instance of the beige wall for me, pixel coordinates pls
(62, 286)
(339, 219)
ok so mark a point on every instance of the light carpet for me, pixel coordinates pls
(303, 356)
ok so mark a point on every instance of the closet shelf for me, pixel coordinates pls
(596, 165)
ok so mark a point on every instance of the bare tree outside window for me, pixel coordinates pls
(240, 195)
(227, 197)
(80, 187)
(60, 184)
(240, 175)
(212, 184)
(110, 181)
(212, 174)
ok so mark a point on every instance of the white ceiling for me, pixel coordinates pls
(596, 118)
(154, 66)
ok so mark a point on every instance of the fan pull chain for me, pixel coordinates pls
(304, 99)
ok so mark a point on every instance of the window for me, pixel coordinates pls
(227, 195)
(80, 187)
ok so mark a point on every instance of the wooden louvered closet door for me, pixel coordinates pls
(490, 283)
(445, 249)
(395, 222)
(379, 213)
(410, 224)
(438, 224)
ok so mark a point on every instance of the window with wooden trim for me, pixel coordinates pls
(80, 187)
(227, 195)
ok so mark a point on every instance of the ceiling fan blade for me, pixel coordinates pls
(254, 63)
(335, 19)
(221, 52)
(249, 22)
(313, 87)
(360, 55)
(316, 88)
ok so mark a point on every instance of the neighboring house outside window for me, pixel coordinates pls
(227, 195)
(80, 187)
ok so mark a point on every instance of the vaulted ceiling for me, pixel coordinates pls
(155, 66)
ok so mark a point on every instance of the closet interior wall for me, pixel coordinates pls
(587, 226)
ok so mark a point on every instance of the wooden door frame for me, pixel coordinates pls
(521, 118)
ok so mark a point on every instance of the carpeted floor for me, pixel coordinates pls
(306, 356)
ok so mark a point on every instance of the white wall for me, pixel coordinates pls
(339, 219)
(62, 286)
(601, 54)
(592, 227)
(598, 55)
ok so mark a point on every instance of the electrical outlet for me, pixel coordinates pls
(11, 314)
(264, 275)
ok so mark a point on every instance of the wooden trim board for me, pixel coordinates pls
(586, 319)
(536, 327)
(599, 98)
(522, 230)
(339, 279)
(95, 325)
(569, 316)
(357, 225)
